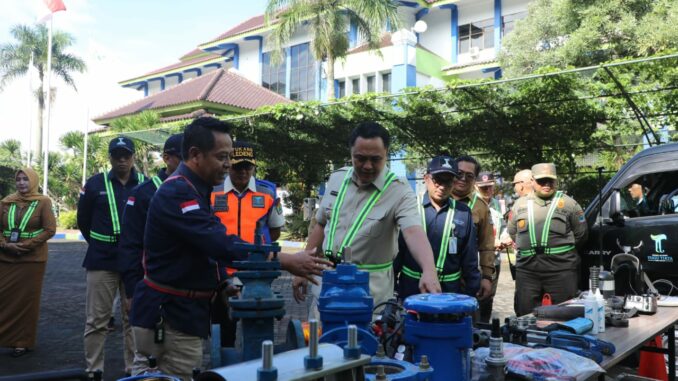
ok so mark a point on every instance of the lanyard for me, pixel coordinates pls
(24, 221)
(547, 222)
(447, 231)
(156, 181)
(350, 234)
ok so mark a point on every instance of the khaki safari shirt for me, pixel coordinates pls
(484, 231)
(568, 227)
(376, 242)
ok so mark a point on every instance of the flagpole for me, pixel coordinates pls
(45, 139)
(84, 155)
(30, 111)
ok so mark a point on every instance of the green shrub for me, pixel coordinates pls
(68, 220)
(295, 227)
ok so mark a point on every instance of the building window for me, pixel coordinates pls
(273, 76)
(476, 35)
(355, 84)
(508, 22)
(302, 73)
(386, 82)
(342, 89)
(371, 83)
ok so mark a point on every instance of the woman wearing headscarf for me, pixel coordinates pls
(26, 222)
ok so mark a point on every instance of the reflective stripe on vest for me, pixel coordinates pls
(357, 224)
(448, 229)
(442, 278)
(473, 201)
(113, 210)
(11, 221)
(543, 242)
(156, 181)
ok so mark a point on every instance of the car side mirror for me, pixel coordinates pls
(616, 216)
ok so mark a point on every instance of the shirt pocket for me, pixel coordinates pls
(374, 224)
(558, 225)
(101, 201)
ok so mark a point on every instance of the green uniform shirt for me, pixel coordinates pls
(567, 228)
(376, 242)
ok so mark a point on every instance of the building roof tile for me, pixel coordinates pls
(219, 86)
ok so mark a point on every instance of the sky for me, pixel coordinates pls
(118, 40)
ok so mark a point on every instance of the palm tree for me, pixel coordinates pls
(328, 22)
(31, 43)
(10, 152)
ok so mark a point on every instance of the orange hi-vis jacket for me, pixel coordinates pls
(241, 214)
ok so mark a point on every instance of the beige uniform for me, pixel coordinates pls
(551, 268)
(376, 242)
(568, 228)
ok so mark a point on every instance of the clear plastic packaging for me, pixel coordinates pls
(540, 364)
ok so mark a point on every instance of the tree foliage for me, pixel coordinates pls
(327, 22)
(30, 46)
(579, 33)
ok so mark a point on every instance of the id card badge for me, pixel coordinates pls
(221, 203)
(452, 246)
(14, 235)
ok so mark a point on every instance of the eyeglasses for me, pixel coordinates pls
(468, 176)
(545, 181)
(444, 181)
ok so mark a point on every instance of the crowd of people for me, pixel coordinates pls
(165, 243)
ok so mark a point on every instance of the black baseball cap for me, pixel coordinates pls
(442, 164)
(173, 145)
(121, 143)
(243, 152)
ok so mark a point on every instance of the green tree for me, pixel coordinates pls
(143, 121)
(31, 44)
(327, 22)
(577, 33)
(10, 153)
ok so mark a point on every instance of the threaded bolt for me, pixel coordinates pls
(381, 373)
(423, 363)
(352, 336)
(313, 338)
(267, 354)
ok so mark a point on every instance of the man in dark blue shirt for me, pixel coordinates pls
(100, 207)
(134, 218)
(183, 240)
(451, 232)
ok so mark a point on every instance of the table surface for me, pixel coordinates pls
(641, 329)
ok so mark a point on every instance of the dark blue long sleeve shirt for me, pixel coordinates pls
(182, 242)
(94, 215)
(131, 246)
(465, 259)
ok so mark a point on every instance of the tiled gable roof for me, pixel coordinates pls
(219, 86)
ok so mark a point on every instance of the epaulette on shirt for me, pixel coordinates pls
(181, 187)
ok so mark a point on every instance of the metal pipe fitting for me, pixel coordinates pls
(267, 354)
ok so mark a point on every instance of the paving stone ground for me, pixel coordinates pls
(62, 316)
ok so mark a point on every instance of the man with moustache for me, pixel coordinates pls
(449, 227)
(364, 208)
(183, 241)
(102, 201)
(546, 227)
(463, 190)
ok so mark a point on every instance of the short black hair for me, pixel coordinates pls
(369, 130)
(470, 159)
(199, 133)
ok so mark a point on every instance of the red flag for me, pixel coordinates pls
(55, 5)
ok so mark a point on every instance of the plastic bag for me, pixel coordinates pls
(541, 364)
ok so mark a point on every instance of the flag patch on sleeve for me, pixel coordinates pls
(189, 205)
(130, 201)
